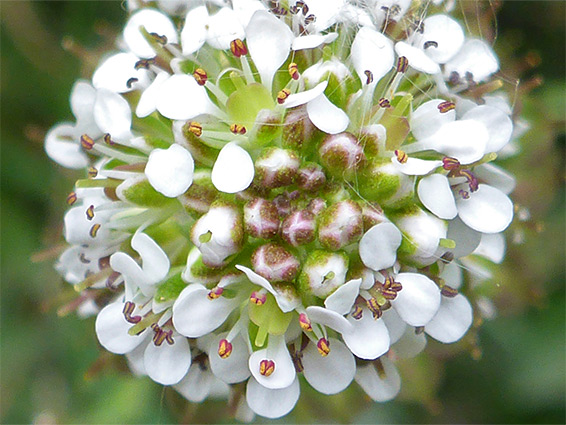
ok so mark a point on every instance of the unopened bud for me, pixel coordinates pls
(299, 228)
(276, 167)
(275, 263)
(372, 214)
(311, 177)
(261, 219)
(323, 272)
(297, 129)
(341, 154)
(384, 183)
(341, 224)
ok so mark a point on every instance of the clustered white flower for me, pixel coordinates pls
(284, 188)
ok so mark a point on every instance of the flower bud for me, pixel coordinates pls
(341, 154)
(299, 228)
(311, 177)
(200, 195)
(372, 214)
(276, 167)
(382, 182)
(316, 206)
(339, 225)
(275, 263)
(218, 234)
(297, 129)
(323, 272)
(261, 219)
(373, 138)
(138, 191)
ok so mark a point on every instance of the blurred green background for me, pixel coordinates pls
(48, 368)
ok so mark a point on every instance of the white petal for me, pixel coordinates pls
(195, 315)
(223, 28)
(112, 330)
(234, 368)
(194, 31)
(427, 119)
(488, 210)
(196, 385)
(270, 403)
(303, 97)
(446, 32)
(342, 300)
(83, 96)
(181, 98)
(168, 364)
(418, 301)
(330, 318)
(133, 274)
(112, 114)
(148, 99)
(269, 41)
(61, 147)
(452, 274)
(284, 373)
(452, 321)
(496, 177)
(466, 239)
(135, 360)
(418, 59)
(372, 51)
(410, 344)
(330, 374)
(492, 247)
(155, 260)
(114, 73)
(435, 194)
(416, 166)
(154, 22)
(378, 389)
(497, 122)
(313, 40)
(368, 338)
(472, 137)
(233, 170)
(170, 171)
(378, 246)
(326, 116)
(327, 13)
(395, 325)
(475, 57)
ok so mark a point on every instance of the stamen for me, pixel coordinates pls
(266, 367)
(129, 308)
(448, 291)
(305, 322)
(389, 294)
(297, 357)
(472, 180)
(402, 157)
(304, 7)
(323, 347)
(161, 39)
(111, 279)
(201, 76)
(310, 19)
(144, 63)
(358, 312)
(384, 103)
(446, 107)
(369, 76)
(71, 198)
(419, 330)
(429, 44)
(449, 163)
(94, 230)
(90, 212)
(374, 308)
(87, 142)
(238, 129)
(294, 71)
(390, 283)
(238, 48)
(195, 128)
(215, 293)
(108, 139)
(92, 172)
(283, 95)
(83, 259)
(447, 257)
(161, 335)
(258, 298)
(464, 194)
(131, 81)
(224, 348)
(402, 64)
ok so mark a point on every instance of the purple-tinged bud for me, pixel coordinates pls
(341, 154)
(297, 128)
(276, 167)
(316, 206)
(261, 219)
(311, 177)
(323, 272)
(218, 234)
(299, 228)
(275, 263)
(341, 224)
(372, 214)
(283, 205)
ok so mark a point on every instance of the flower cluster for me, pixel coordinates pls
(284, 188)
